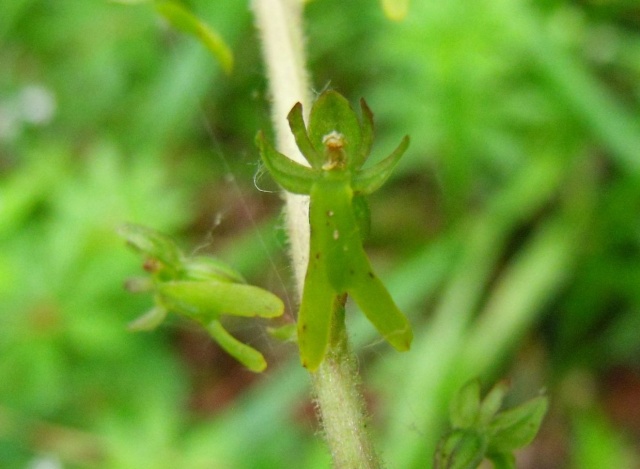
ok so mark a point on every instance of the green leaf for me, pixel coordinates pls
(370, 179)
(517, 427)
(245, 354)
(292, 176)
(205, 301)
(185, 21)
(465, 405)
(330, 113)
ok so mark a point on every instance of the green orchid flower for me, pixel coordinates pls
(200, 288)
(336, 145)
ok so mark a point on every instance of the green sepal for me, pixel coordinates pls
(292, 176)
(150, 320)
(517, 427)
(207, 268)
(185, 21)
(492, 402)
(152, 244)
(331, 112)
(296, 123)
(205, 301)
(370, 179)
(366, 141)
(465, 405)
(245, 354)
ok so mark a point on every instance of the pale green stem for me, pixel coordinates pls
(280, 26)
(340, 403)
(336, 382)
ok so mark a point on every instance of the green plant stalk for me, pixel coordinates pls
(280, 26)
(336, 383)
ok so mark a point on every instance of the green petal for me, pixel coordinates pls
(292, 176)
(465, 405)
(296, 122)
(370, 179)
(332, 113)
(206, 301)
(367, 135)
(246, 355)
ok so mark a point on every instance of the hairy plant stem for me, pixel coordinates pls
(336, 382)
(340, 403)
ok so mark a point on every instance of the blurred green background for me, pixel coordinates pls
(510, 233)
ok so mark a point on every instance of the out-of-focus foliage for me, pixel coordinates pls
(510, 233)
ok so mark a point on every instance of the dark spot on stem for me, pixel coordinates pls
(372, 275)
